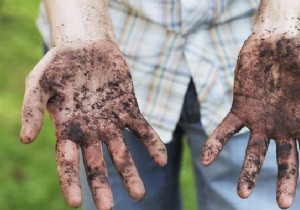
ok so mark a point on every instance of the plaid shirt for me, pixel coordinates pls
(168, 42)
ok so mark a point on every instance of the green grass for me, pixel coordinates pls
(28, 172)
(188, 189)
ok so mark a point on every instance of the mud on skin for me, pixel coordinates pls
(267, 88)
(91, 97)
(267, 97)
(267, 101)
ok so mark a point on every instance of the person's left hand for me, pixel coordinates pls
(267, 101)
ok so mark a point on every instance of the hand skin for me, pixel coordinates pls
(85, 84)
(266, 99)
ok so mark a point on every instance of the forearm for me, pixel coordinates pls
(78, 20)
(277, 17)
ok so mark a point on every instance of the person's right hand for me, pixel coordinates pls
(88, 91)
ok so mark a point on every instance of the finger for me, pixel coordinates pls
(33, 110)
(67, 158)
(287, 161)
(143, 130)
(125, 166)
(255, 155)
(97, 175)
(34, 103)
(230, 125)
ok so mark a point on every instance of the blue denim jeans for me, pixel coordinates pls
(216, 184)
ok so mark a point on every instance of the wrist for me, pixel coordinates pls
(79, 21)
(277, 18)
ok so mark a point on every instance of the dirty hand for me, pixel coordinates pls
(267, 101)
(88, 91)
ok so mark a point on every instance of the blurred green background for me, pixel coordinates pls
(28, 172)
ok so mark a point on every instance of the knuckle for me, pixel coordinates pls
(29, 79)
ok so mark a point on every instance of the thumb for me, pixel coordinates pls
(34, 102)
